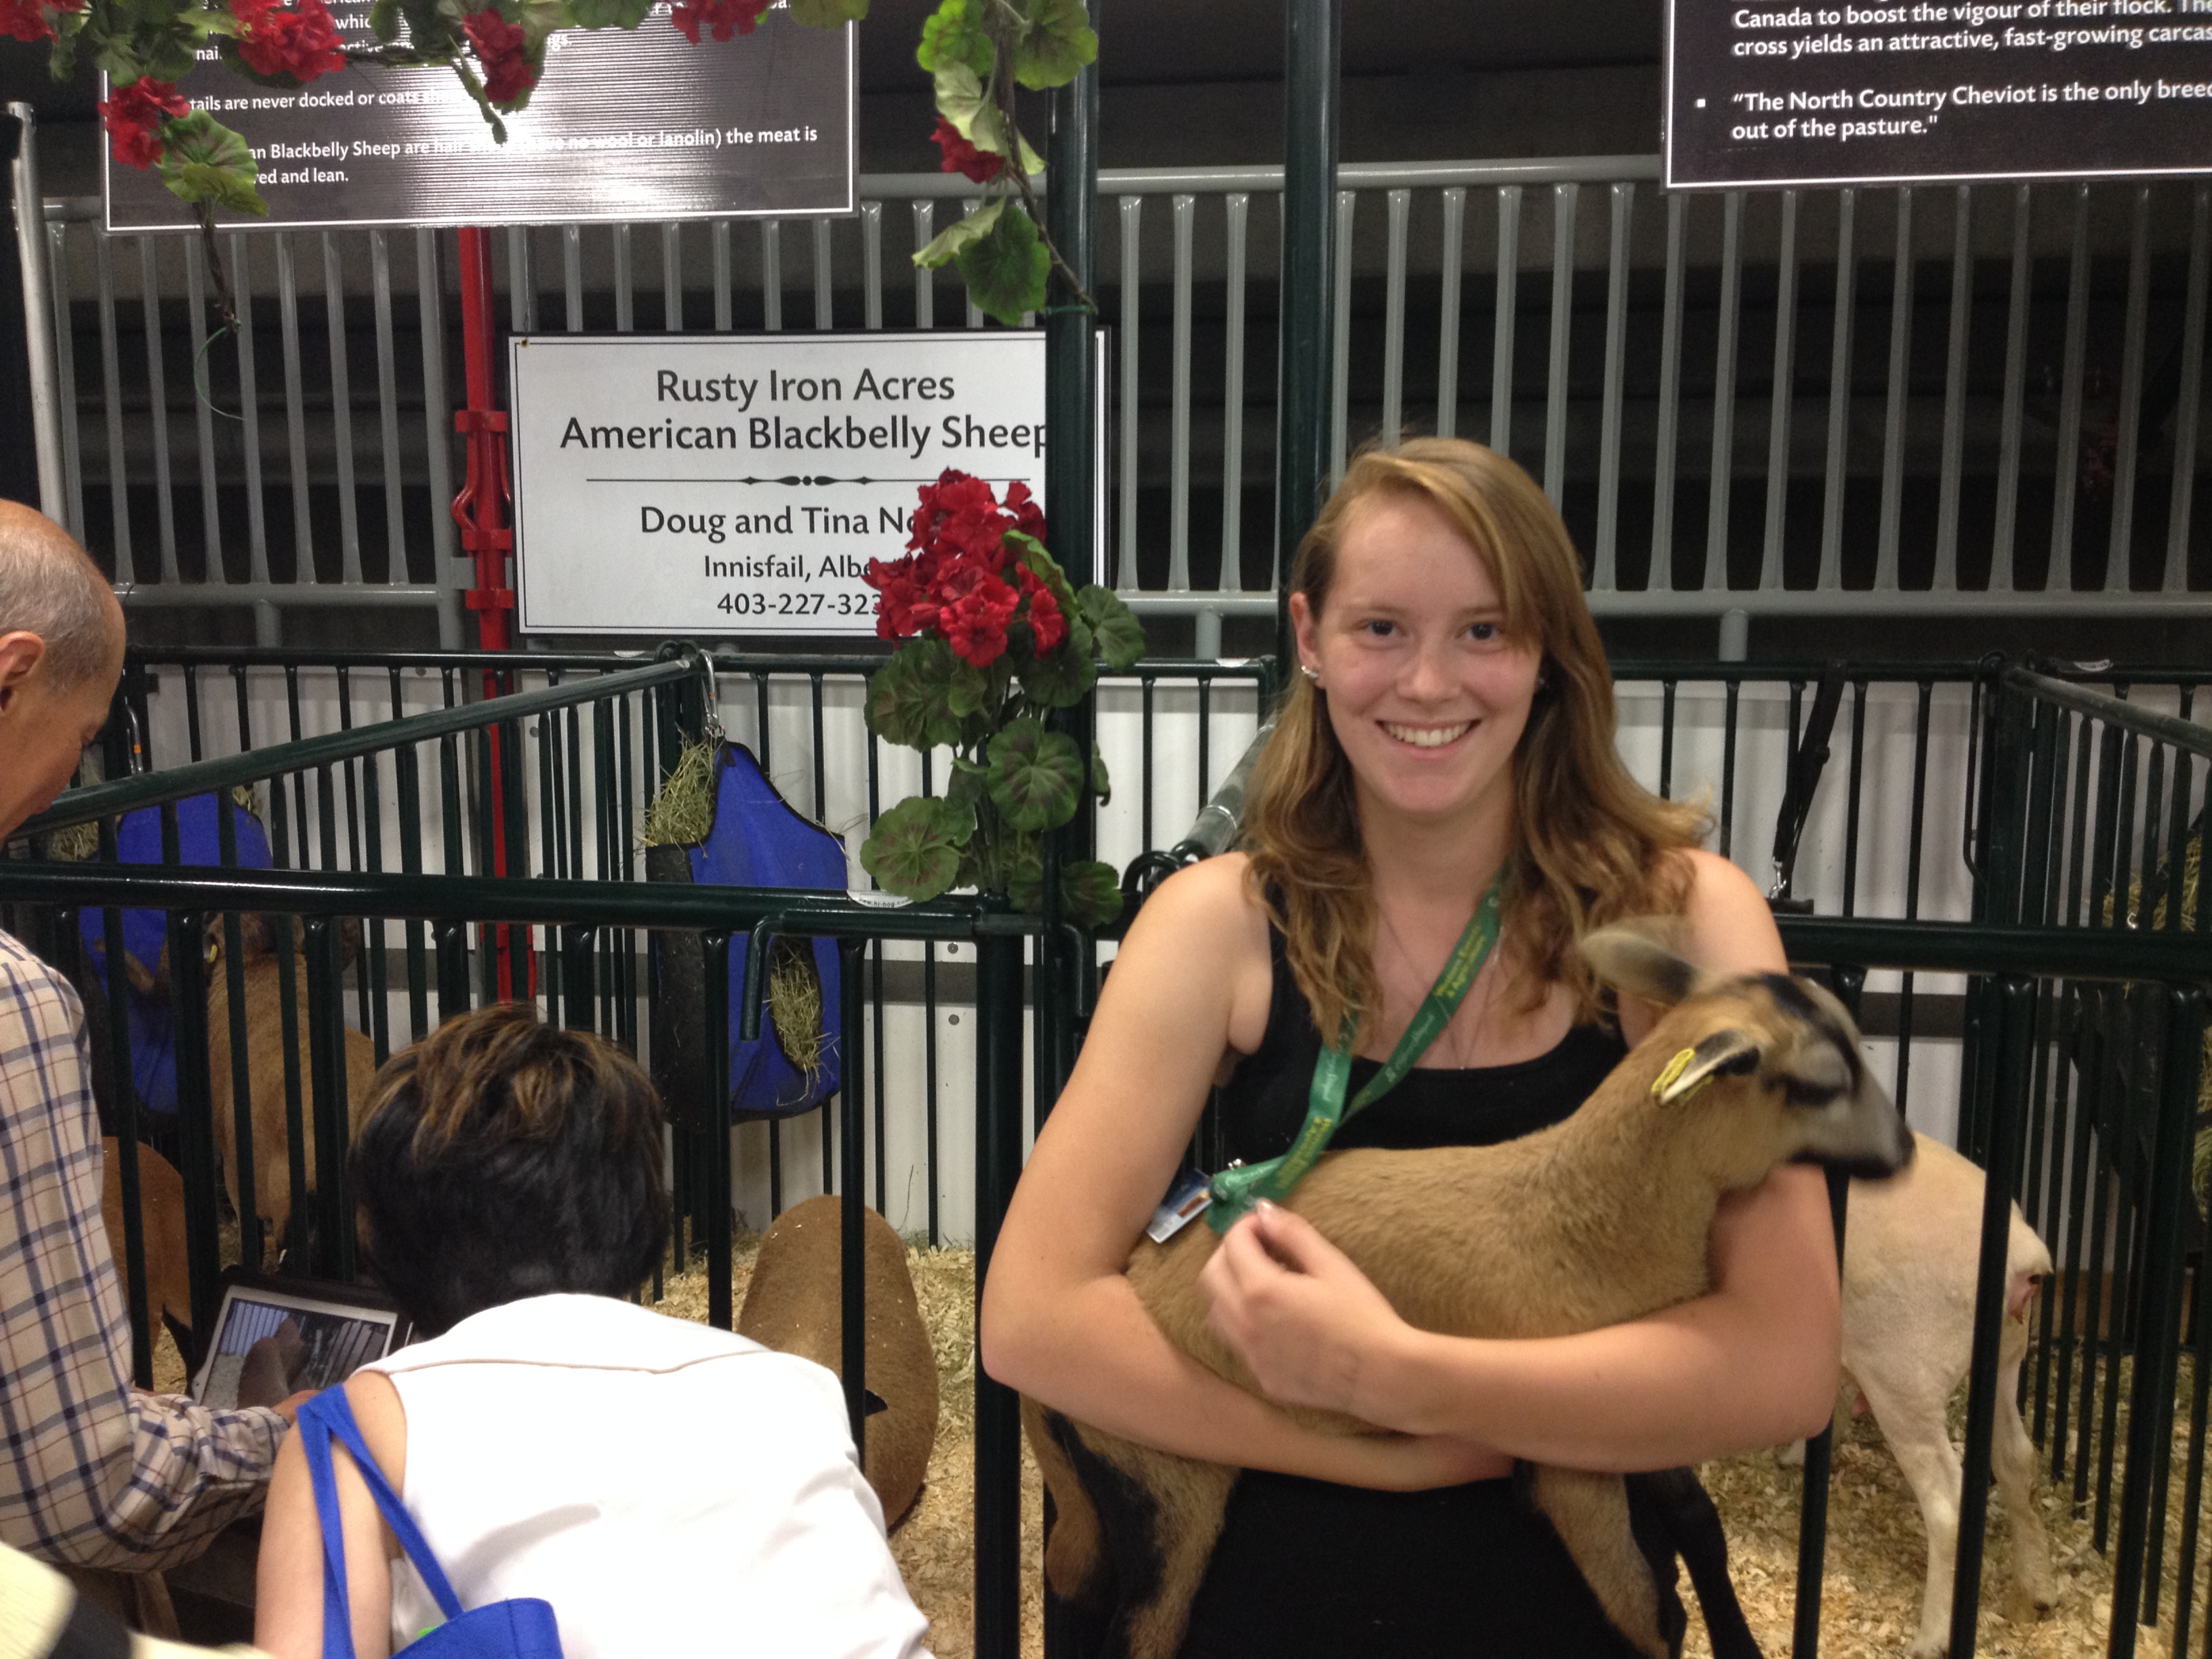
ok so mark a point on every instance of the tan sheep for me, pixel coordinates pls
(1602, 1219)
(263, 1002)
(793, 1305)
(162, 1224)
(1912, 1255)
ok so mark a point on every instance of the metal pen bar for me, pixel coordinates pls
(64, 339)
(1954, 391)
(211, 537)
(1185, 209)
(1400, 205)
(1565, 200)
(2187, 407)
(625, 282)
(1605, 562)
(1902, 271)
(2011, 421)
(295, 410)
(1781, 385)
(719, 242)
(388, 409)
(925, 292)
(1347, 205)
(1662, 574)
(49, 413)
(1723, 471)
(111, 380)
(1131, 222)
(2119, 577)
(1839, 395)
(872, 264)
(2066, 449)
(671, 276)
(1237, 205)
(438, 417)
(157, 394)
(824, 298)
(341, 413)
(521, 281)
(249, 411)
(1455, 233)
(572, 276)
(1507, 307)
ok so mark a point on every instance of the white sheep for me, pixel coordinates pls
(1911, 1252)
(1600, 1218)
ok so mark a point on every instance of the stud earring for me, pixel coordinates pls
(1310, 672)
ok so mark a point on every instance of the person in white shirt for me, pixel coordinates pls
(666, 1487)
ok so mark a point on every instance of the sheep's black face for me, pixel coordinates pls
(1845, 1119)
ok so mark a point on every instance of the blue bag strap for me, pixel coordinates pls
(321, 1419)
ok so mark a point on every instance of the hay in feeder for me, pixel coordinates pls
(75, 844)
(683, 812)
(794, 1005)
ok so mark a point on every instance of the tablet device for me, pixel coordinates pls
(292, 1334)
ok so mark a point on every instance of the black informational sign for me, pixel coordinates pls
(1903, 91)
(628, 125)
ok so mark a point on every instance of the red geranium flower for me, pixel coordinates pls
(24, 19)
(961, 156)
(974, 625)
(302, 43)
(1028, 519)
(133, 118)
(1045, 622)
(724, 17)
(498, 43)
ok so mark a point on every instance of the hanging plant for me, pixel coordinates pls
(976, 52)
(994, 639)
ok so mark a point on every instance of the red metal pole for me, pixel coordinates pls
(480, 510)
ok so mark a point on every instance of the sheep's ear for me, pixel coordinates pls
(1723, 1053)
(1628, 957)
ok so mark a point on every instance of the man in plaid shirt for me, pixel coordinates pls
(93, 1472)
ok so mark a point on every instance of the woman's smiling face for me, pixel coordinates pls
(1425, 692)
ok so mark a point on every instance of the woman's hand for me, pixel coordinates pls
(1293, 1308)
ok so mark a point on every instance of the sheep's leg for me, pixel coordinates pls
(1913, 1423)
(1159, 1516)
(1074, 1556)
(2012, 1459)
(1590, 1514)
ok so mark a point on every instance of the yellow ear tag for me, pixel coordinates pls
(1673, 1069)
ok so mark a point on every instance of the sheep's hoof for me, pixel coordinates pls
(1936, 1647)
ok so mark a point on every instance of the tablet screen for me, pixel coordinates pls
(269, 1340)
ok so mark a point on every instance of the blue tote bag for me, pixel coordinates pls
(522, 1627)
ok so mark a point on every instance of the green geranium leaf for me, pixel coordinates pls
(204, 161)
(970, 691)
(1100, 784)
(1025, 876)
(1090, 893)
(907, 698)
(1052, 41)
(948, 242)
(914, 848)
(474, 87)
(1005, 270)
(1034, 775)
(954, 34)
(1119, 636)
(115, 59)
(828, 13)
(964, 99)
(965, 789)
(384, 20)
(1059, 678)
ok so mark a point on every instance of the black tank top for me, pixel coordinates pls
(1308, 1568)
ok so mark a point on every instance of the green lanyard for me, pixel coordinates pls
(1237, 1189)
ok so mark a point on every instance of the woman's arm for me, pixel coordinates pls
(287, 1618)
(1060, 1321)
(1752, 1363)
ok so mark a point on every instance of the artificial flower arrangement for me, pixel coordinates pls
(975, 51)
(992, 640)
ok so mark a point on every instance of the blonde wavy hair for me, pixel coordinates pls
(1591, 845)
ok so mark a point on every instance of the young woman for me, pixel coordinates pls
(1451, 727)
(667, 1488)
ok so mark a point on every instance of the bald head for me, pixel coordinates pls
(48, 587)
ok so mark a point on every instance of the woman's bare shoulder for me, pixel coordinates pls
(1727, 925)
(1205, 926)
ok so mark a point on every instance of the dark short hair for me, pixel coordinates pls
(502, 1157)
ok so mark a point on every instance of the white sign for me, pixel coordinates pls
(716, 484)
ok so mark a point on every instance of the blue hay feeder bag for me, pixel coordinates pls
(758, 840)
(146, 933)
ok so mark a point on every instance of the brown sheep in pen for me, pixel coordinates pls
(1599, 1219)
(792, 1305)
(161, 1222)
(263, 1002)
